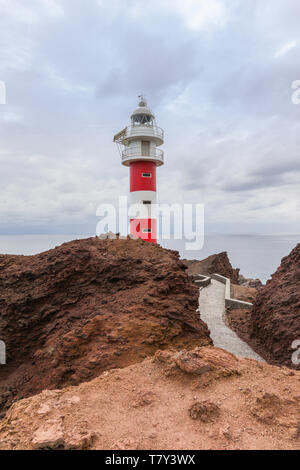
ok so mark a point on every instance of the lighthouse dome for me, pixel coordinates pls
(142, 114)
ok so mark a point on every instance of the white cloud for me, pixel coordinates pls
(62, 83)
(285, 49)
(12, 118)
(30, 12)
(196, 14)
(199, 14)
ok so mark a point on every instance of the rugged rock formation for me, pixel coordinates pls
(201, 399)
(251, 283)
(275, 319)
(238, 320)
(68, 314)
(219, 264)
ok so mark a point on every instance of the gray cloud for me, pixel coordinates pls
(218, 76)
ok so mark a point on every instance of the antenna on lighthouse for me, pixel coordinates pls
(143, 101)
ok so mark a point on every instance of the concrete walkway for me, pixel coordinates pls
(212, 311)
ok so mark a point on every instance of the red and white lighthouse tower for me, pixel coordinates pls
(139, 147)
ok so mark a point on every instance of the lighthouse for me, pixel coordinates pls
(139, 144)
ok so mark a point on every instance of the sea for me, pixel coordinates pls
(257, 256)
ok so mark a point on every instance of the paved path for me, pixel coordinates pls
(212, 309)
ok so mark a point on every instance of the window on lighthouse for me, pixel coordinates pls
(142, 120)
(147, 175)
(146, 202)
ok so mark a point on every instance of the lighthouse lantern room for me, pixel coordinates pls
(139, 144)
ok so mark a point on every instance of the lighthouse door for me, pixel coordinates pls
(145, 148)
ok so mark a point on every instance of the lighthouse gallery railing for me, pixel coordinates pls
(133, 153)
(139, 131)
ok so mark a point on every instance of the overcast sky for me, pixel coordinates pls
(217, 74)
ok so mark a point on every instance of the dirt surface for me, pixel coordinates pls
(90, 305)
(201, 399)
(219, 264)
(275, 319)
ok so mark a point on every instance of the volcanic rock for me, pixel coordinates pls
(206, 411)
(71, 313)
(215, 264)
(249, 282)
(275, 319)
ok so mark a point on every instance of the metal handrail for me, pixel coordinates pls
(158, 156)
(135, 152)
(144, 130)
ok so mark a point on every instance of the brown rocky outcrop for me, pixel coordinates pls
(215, 264)
(246, 294)
(275, 319)
(233, 404)
(248, 282)
(71, 313)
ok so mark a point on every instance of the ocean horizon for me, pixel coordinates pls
(257, 256)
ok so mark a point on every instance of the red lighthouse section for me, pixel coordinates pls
(142, 176)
